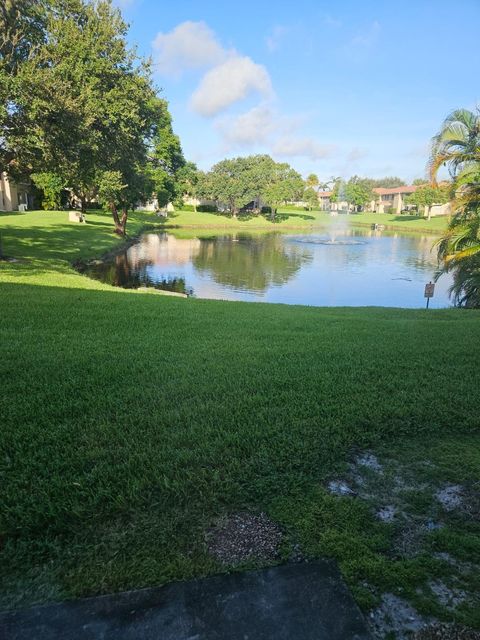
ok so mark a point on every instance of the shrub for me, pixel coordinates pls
(178, 203)
(51, 185)
(188, 207)
(207, 208)
(266, 210)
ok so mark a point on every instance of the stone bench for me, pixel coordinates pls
(76, 216)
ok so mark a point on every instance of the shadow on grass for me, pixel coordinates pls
(282, 217)
(4, 214)
(409, 218)
(62, 241)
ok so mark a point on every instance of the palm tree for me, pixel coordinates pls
(328, 184)
(457, 146)
(312, 181)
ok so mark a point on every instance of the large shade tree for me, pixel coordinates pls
(166, 159)
(23, 28)
(358, 192)
(93, 108)
(187, 183)
(229, 183)
(284, 185)
(78, 105)
(235, 182)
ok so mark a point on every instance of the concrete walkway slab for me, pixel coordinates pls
(292, 602)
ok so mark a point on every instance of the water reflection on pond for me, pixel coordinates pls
(351, 267)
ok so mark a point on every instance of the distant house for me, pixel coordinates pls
(325, 203)
(392, 198)
(14, 196)
(386, 200)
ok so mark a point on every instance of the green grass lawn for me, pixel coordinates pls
(131, 423)
(288, 218)
(291, 218)
(402, 221)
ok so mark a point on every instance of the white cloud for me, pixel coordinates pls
(230, 78)
(250, 128)
(356, 154)
(274, 39)
(293, 146)
(229, 82)
(261, 124)
(191, 45)
(278, 134)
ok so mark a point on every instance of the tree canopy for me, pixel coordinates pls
(388, 182)
(235, 182)
(427, 195)
(356, 192)
(78, 103)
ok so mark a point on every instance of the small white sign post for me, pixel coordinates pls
(429, 291)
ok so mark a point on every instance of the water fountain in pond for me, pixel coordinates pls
(337, 231)
(341, 199)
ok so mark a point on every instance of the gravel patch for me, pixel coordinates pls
(446, 632)
(242, 537)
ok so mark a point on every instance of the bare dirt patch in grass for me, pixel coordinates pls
(423, 509)
(450, 496)
(448, 597)
(396, 617)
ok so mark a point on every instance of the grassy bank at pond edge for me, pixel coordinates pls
(131, 423)
(292, 218)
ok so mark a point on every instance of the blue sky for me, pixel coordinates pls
(337, 88)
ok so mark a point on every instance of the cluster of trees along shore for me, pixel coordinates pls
(79, 112)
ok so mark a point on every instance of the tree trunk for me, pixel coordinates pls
(83, 205)
(120, 224)
(123, 221)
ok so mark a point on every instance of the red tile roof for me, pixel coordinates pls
(381, 191)
(407, 189)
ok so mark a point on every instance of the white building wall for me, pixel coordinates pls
(8, 191)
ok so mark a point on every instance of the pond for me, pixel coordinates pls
(327, 267)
